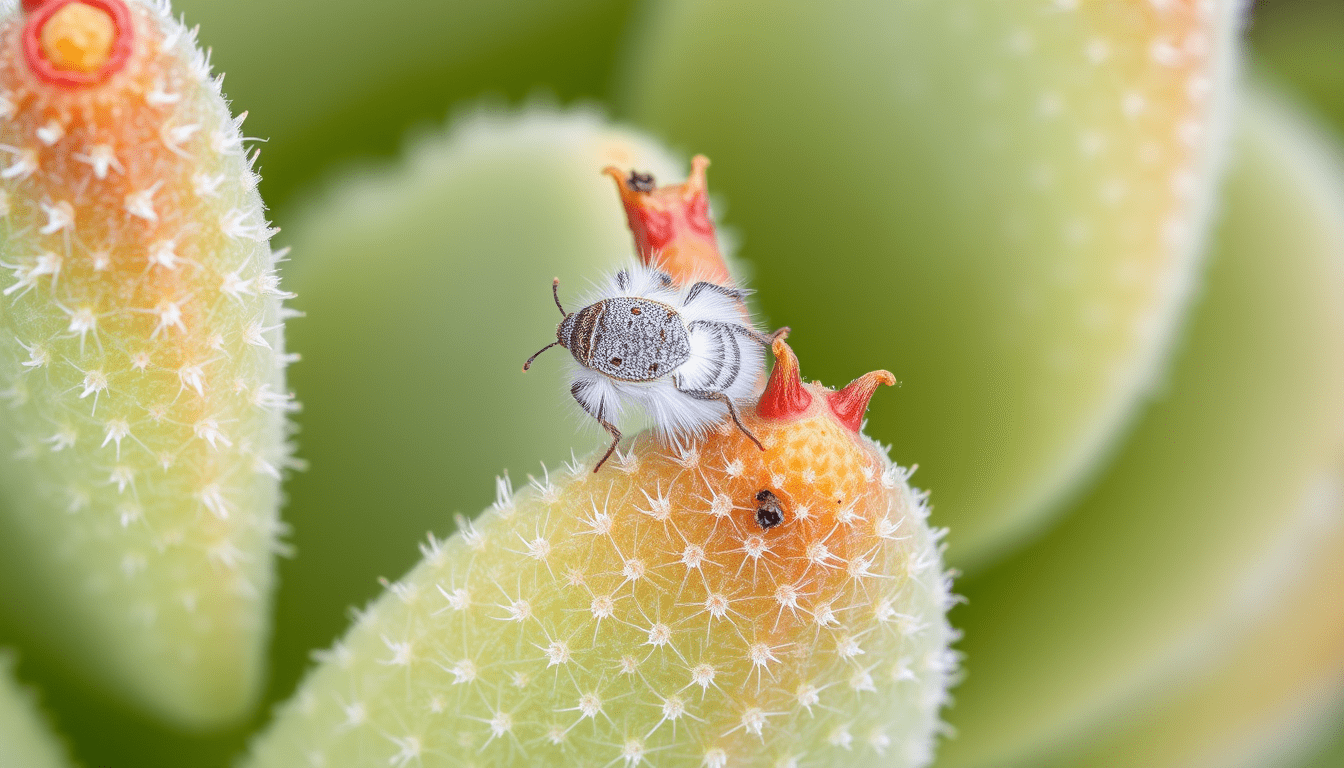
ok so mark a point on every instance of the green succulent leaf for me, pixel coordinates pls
(143, 432)
(1218, 502)
(1268, 697)
(1003, 202)
(643, 615)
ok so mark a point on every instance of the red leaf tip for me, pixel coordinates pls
(851, 403)
(784, 396)
(77, 43)
(671, 224)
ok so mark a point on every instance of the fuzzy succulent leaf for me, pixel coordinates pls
(1216, 503)
(429, 284)
(1260, 701)
(1018, 191)
(141, 358)
(25, 739)
(642, 614)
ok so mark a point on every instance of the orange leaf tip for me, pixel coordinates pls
(671, 224)
(76, 43)
(850, 403)
(784, 396)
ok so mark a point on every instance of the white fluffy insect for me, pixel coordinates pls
(687, 356)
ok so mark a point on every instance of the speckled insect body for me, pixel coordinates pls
(628, 338)
(687, 356)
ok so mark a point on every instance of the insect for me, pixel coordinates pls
(687, 356)
(641, 182)
(769, 510)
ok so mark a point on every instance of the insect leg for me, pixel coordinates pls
(754, 335)
(703, 394)
(737, 294)
(575, 390)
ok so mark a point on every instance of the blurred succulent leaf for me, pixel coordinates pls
(428, 285)
(643, 614)
(25, 739)
(367, 70)
(142, 363)
(1268, 698)
(1215, 500)
(1013, 192)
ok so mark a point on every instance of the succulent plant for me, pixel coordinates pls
(1103, 267)
(461, 197)
(142, 361)
(1085, 141)
(712, 604)
(1191, 479)
(793, 580)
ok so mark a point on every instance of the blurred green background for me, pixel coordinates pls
(372, 74)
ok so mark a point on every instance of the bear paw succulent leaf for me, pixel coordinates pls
(1025, 184)
(1267, 697)
(644, 613)
(1216, 504)
(141, 360)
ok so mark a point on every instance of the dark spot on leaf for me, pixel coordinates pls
(769, 510)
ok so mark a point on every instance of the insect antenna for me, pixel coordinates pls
(528, 364)
(555, 291)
